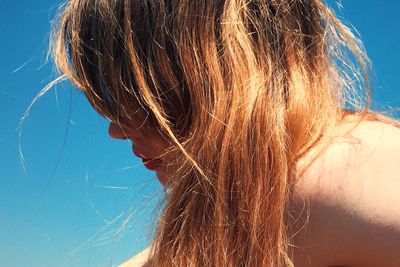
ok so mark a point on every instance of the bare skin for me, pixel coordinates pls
(353, 190)
(353, 193)
(139, 260)
(146, 143)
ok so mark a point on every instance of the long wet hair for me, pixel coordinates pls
(240, 89)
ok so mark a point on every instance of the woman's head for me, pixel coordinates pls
(240, 89)
(177, 64)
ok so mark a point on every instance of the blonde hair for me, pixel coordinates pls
(241, 89)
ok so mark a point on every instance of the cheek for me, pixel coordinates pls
(159, 146)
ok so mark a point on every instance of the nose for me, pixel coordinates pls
(115, 131)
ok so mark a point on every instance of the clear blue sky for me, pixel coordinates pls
(96, 207)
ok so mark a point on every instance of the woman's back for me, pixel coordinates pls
(352, 189)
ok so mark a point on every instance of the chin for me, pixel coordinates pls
(162, 178)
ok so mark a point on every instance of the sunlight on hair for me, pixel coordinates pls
(28, 112)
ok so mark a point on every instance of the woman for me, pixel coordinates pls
(249, 113)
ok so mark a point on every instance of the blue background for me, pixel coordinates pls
(83, 199)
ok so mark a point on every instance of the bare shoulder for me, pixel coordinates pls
(353, 188)
(360, 164)
(139, 260)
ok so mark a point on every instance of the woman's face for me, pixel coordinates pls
(147, 144)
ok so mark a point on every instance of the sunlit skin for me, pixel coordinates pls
(146, 144)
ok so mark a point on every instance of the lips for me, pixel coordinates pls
(149, 163)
